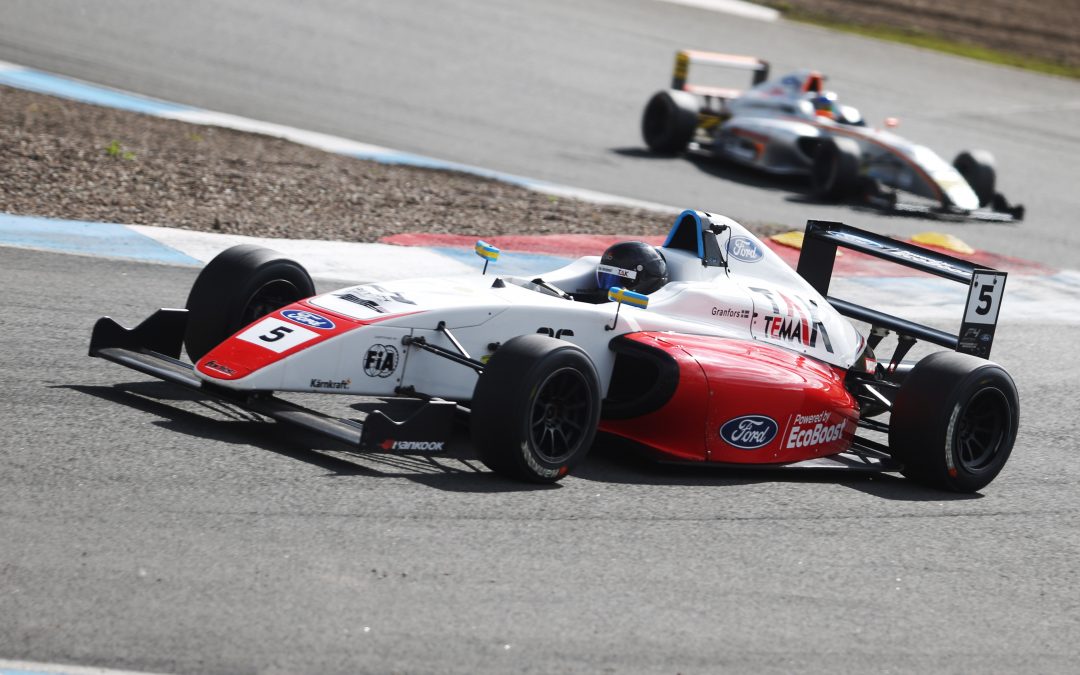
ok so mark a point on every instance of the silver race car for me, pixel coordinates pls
(795, 126)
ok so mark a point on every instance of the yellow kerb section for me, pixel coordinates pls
(946, 241)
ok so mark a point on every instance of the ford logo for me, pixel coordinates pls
(749, 432)
(308, 319)
(745, 249)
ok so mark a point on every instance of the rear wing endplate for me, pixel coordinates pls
(986, 286)
(684, 57)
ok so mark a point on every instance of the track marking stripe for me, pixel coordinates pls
(33, 668)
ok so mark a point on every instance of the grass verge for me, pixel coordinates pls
(928, 41)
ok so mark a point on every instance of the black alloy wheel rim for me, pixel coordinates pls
(560, 411)
(271, 296)
(982, 427)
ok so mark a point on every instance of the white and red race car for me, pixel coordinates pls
(794, 126)
(736, 360)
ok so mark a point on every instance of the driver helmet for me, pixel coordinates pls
(633, 265)
(825, 104)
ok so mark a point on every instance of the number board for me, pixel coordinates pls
(981, 312)
(277, 335)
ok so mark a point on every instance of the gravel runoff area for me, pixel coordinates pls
(1044, 29)
(65, 159)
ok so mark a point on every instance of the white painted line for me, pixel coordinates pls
(747, 10)
(32, 668)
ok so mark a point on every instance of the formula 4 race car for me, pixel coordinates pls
(722, 355)
(794, 126)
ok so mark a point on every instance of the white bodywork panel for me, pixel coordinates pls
(757, 297)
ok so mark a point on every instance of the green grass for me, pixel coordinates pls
(925, 40)
(114, 149)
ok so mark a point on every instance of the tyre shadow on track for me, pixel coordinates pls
(457, 470)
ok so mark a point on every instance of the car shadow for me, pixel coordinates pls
(458, 469)
(729, 171)
(611, 462)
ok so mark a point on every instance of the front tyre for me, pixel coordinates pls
(240, 285)
(954, 421)
(535, 409)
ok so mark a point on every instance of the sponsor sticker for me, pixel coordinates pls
(792, 319)
(374, 297)
(329, 384)
(380, 361)
(617, 271)
(812, 430)
(310, 319)
(277, 335)
(749, 432)
(730, 313)
(424, 446)
(745, 249)
(219, 367)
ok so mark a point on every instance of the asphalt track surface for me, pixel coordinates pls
(148, 530)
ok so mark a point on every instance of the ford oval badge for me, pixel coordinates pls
(310, 319)
(749, 432)
(745, 249)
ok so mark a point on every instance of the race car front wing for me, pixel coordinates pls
(153, 348)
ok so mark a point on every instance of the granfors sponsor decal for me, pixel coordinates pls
(749, 432)
(310, 319)
(424, 446)
(812, 430)
(745, 249)
(329, 384)
(731, 313)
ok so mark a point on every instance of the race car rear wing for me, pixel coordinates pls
(684, 57)
(986, 287)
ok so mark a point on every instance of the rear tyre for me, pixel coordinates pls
(670, 120)
(535, 409)
(835, 172)
(954, 421)
(240, 285)
(977, 168)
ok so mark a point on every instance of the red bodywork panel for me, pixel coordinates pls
(239, 357)
(743, 402)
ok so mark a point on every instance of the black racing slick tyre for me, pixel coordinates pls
(535, 409)
(670, 120)
(954, 421)
(835, 173)
(977, 168)
(240, 285)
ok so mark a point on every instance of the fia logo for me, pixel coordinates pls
(380, 361)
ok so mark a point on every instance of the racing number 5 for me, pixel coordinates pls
(986, 300)
(276, 334)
